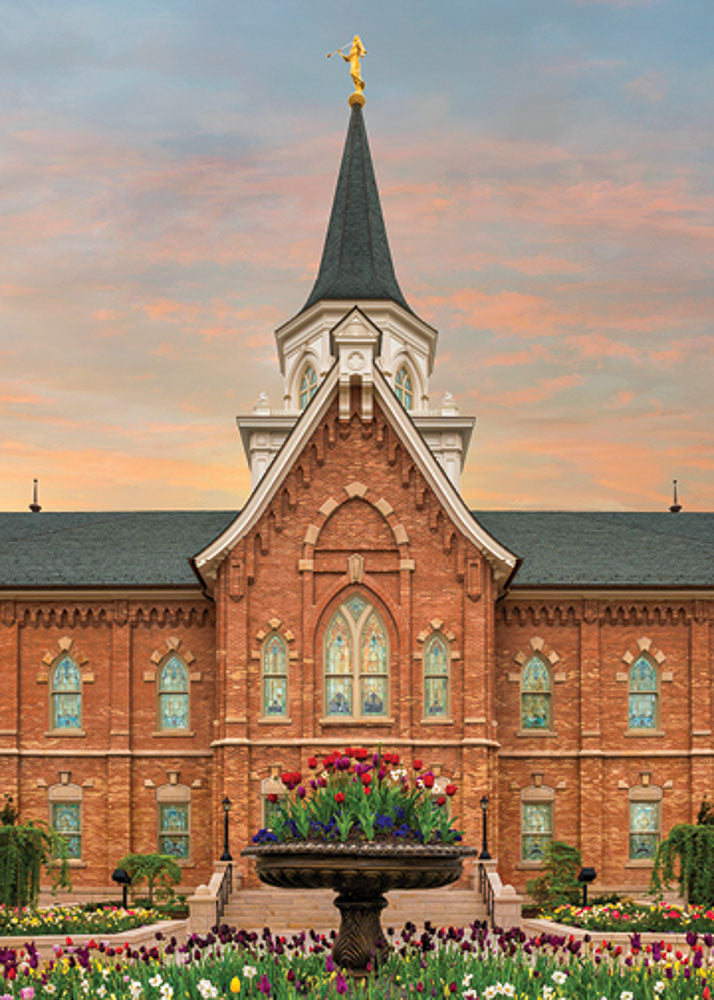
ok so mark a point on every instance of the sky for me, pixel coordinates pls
(547, 179)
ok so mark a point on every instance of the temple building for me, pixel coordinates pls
(559, 664)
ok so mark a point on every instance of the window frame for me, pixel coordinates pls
(435, 637)
(526, 803)
(173, 795)
(548, 727)
(161, 693)
(356, 630)
(401, 389)
(310, 385)
(654, 693)
(265, 677)
(55, 693)
(645, 794)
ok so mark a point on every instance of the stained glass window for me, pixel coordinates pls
(67, 821)
(308, 386)
(173, 695)
(643, 695)
(436, 677)
(275, 679)
(537, 829)
(66, 695)
(535, 695)
(403, 388)
(644, 830)
(356, 661)
(174, 836)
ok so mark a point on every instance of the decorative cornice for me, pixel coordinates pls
(69, 615)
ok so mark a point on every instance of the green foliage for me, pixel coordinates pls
(159, 871)
(24, 850)
(705, 816)
(687, 854)
(8, 813)
(558, 883)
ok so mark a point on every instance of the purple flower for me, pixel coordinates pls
(341, 983)
(329, 964)
(264, 985)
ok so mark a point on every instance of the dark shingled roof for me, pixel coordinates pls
(356, 261)
(590, 549)
(152, 548)
(131, 548)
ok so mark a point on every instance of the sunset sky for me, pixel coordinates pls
(547, 179)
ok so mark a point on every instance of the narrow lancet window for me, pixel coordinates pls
(173, 695)
(403, 388)
(275, 676)
(436, 678)
(308, 386)
(535, 695)
(642, 708)
(66, 695)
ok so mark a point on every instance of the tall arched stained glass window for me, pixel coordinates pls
(436, 677)
(173, 694)
(356, 658)
(535, 695)
(66, 695)
(642, 707)
(308, 386)
(403, 388)
(275, 676)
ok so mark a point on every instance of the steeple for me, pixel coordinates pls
(356, 261)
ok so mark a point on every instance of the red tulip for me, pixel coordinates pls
(366, 778)
(450, 789)
(418, 765)
(441, 800)
(312, 762)
(339, 796)
(272, 797)
(428, 780)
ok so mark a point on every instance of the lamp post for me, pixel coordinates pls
(585, 876)
(484, 855)
(226, 856)
(121, 877)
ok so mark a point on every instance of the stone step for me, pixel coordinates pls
(303, 909)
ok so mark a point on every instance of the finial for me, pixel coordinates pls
(357, 52)
(675, 507)
(34, 506)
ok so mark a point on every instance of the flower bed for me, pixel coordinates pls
(630, 916)
(356, 795)
(469, 963)
(28, 922)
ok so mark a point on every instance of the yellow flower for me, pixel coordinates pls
(235, 985)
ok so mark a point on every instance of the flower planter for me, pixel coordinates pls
(360, 873)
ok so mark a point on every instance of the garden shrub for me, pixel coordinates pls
(558, 883)
(159, 871)
(25, 849)
(687, 854)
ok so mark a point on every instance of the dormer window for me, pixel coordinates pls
(308, 386)
(403, 388)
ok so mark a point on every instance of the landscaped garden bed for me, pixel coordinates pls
(470, 963)
(28, 921)
(627, 916)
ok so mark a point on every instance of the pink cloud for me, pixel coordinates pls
(510, 312)
(542, 390)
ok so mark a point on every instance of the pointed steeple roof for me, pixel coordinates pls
(356, 262)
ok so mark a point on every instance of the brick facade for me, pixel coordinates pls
(355, 491)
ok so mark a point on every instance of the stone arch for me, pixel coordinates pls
(355, 490)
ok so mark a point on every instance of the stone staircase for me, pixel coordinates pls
(301, 909)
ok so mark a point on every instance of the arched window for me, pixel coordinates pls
(66, 817)
(66, 695)
(643, 696)
(308, 386)
(174, 821)
(275, 676)
(356, 661)
(436, 677)
(173, 694)
(403, 388)
(535, 695)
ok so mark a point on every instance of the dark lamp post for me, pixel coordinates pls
(585, 877)
(226, 856)
(484, 855)
(122, 878)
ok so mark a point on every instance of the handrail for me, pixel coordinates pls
(486, 890)
(224, 891)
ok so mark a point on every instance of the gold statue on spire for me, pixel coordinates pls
(357, 52)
